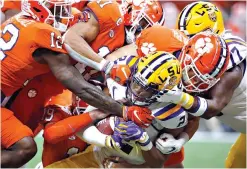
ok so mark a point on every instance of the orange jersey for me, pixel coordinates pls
(111, 34)
(58, 108)
(20, 38)
(11, 5)
(160, 38)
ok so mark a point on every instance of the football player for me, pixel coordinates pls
(152, 39)
(46, 54)
(167, 115)
(229, 107)
(77, 38)
(58, 143)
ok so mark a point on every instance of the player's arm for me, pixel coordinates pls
(131, 132)
(58, 130)
(19, 153)
(190, 129)
(181, 136)
(219, 96)
(154, 158)
(77, 40)
(123, 51)
(71, 78)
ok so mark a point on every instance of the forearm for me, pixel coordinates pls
(72, 79)
(192, 127)
(205, 108)
(78, 44)
(63, 129)
(154, 158)
(92, 135)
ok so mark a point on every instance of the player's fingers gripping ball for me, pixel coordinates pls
(129, 131)
(120, 73)
(114, 141)
(140, 115)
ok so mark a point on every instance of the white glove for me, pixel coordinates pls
(167, 144)
(174, 95)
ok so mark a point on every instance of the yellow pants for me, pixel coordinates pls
(237, 155)
(85, 159)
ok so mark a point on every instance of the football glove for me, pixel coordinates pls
(129, 131)
(176, 96)
(141, 116)
(167, 144)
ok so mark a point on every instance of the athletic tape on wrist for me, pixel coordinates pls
(201, 107)
(187, 100)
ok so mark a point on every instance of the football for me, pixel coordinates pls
(106, 126)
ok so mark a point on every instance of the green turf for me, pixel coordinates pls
(206, 155)
(197, 154)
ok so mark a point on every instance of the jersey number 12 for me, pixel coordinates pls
(6, 45)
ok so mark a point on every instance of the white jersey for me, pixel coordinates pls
(234, 114)
(167, 115)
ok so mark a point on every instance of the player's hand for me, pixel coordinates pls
(129, 131)
(119, 73)
(141, 116)
(113, 142)
(167, 144)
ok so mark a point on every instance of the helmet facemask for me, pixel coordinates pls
(139, 92)
(53, 12)
(137, 19)
(192, 79)
(59, 14)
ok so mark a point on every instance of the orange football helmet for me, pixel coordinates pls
(139, 15)
(52, 12)
(203, 60)
(160, 38)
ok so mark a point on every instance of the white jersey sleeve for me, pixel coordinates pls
(237, 47)
(169, 115)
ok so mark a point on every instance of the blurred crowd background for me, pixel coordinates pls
(234, 14)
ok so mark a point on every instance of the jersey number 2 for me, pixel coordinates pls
(8, 45)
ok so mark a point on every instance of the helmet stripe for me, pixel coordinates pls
(158, 57)
(162, 19)
(184, 14)
(157, 67)
(149, 69)
(222, 60)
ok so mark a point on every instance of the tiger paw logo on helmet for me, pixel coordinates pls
(203, 45)
(148, 48)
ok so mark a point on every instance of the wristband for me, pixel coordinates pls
(145, 142)
(186, 100)
(201, 107)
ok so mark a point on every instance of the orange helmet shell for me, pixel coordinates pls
(207, 55)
